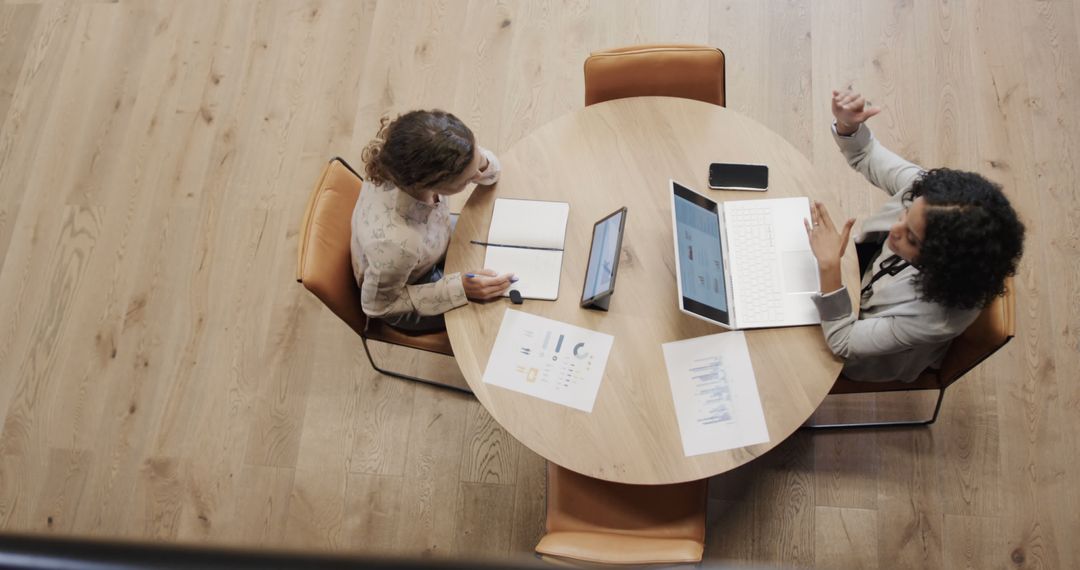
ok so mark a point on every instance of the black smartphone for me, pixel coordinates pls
(727, 176)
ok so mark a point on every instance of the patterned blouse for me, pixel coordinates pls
(396, 242)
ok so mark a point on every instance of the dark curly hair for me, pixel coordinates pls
(418, 150)
(973, 238)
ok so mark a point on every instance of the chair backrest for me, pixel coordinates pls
(675, 70)
(994, 327)
(324, 261)
(600, 521)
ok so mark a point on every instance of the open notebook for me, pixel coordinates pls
(526, 238)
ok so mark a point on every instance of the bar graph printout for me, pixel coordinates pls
(715, 393)
(548, 359)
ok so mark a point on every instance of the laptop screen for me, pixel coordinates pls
(701, 258)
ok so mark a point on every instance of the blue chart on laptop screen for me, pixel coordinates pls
(701, 261)
(602, 257)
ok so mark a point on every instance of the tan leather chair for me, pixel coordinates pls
(671, 70)
(993, 329)
(324, 267)
(601, 522)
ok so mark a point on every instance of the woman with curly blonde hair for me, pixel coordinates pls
(401, 225)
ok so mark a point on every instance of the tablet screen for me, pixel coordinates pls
(604, 255)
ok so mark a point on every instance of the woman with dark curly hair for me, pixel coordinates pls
(934, 255)
(401, 224)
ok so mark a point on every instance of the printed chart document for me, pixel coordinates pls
(548, 359)
(715, 393)
(526, 238)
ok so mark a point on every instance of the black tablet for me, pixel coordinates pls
(603, 261)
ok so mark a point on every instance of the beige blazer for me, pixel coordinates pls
(896, 334)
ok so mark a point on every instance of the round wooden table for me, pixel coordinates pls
(622, 153)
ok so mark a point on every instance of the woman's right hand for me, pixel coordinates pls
(486, 284)
(827, 244)
(850, 110)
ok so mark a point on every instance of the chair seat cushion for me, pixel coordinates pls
(437, 341)
(620, 549)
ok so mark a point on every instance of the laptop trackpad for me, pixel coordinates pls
(800, 271)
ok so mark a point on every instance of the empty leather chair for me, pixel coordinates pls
(613, 523)
(670, 70)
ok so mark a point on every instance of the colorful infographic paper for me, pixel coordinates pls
(548, 359)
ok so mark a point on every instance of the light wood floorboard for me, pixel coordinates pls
(162, 376)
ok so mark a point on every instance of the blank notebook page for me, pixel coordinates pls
(537, 270)
(533, 223)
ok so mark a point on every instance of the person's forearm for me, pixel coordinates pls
(829, 276)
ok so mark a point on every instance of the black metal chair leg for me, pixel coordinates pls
(901, 423)
(408, 377)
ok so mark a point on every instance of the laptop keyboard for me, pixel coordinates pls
(755, 273)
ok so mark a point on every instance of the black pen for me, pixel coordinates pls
(517, 246)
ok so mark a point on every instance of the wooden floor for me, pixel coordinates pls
(163, 377)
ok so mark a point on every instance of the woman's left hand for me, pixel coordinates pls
(488, 169)
(827, 243)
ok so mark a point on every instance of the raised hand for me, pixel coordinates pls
(851, 110)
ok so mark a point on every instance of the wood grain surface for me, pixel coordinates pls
(162, 377)
(598, 159)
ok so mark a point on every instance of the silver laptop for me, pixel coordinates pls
(743, 264)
